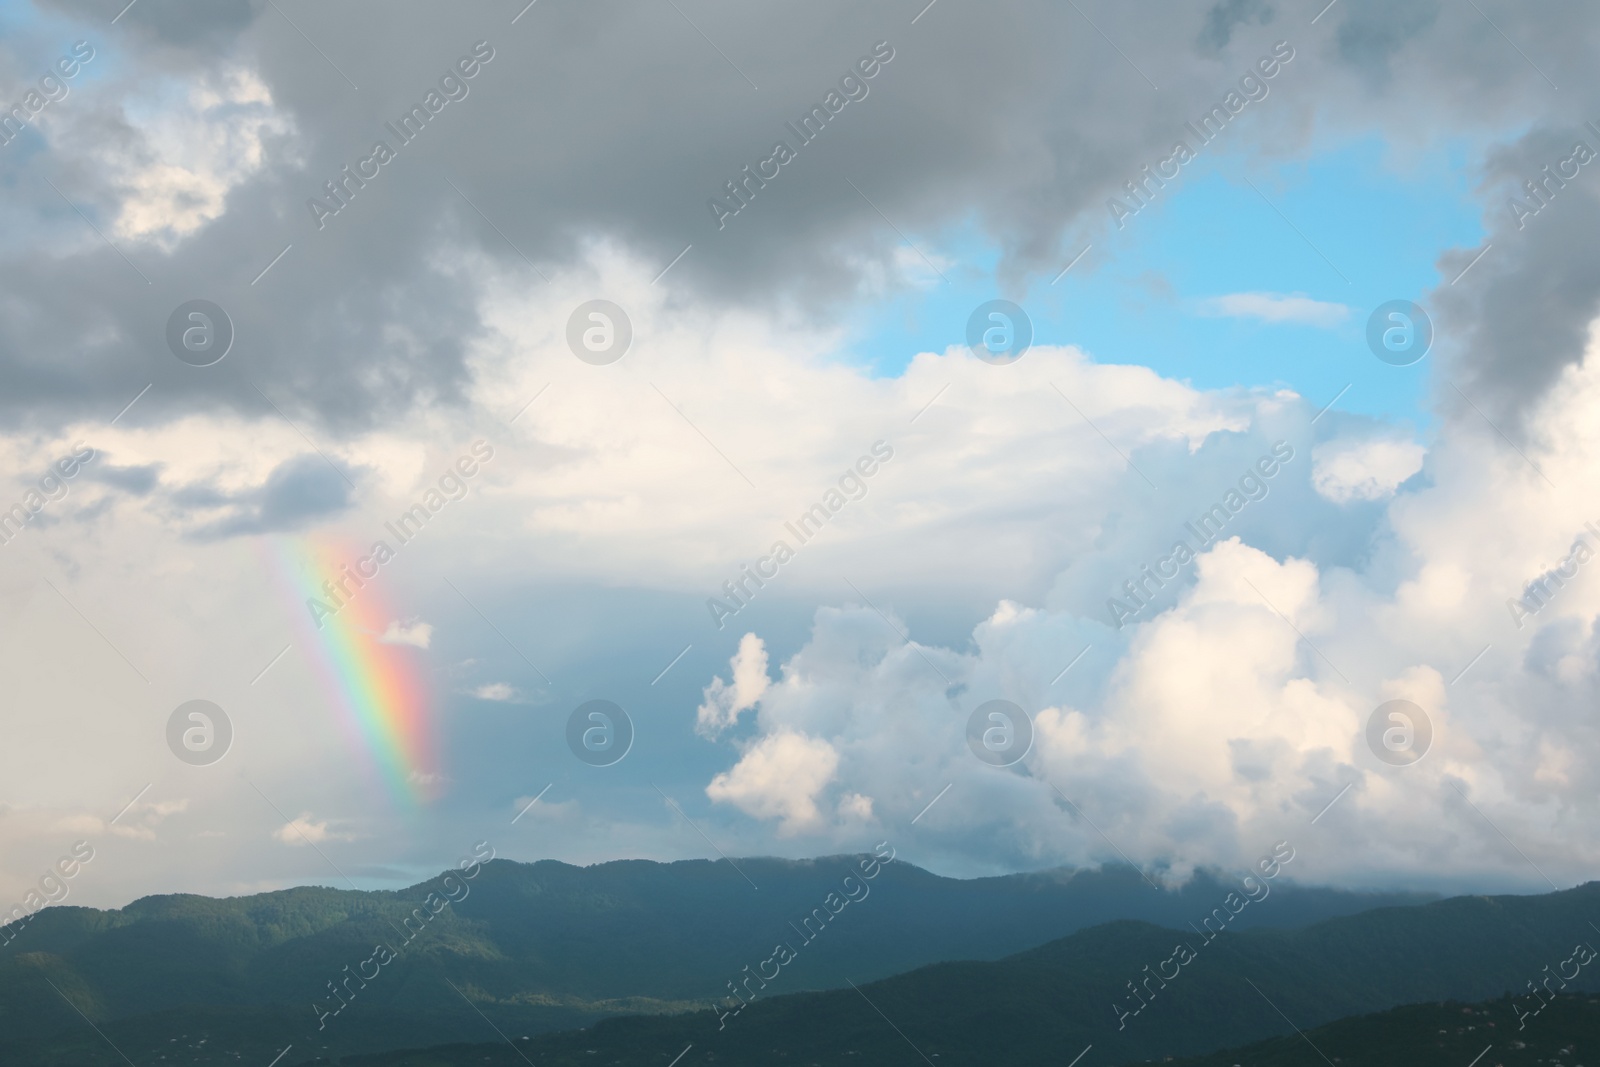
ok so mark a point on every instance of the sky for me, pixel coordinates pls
(416, 390)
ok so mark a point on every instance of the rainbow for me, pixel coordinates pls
(379, 686)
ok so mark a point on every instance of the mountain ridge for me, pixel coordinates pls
(557, 945)
(1042, 1006)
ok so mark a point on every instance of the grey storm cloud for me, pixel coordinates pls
(135, 480)
(297, 491)
(1525, 314)
(620, 120)
(1370, 35)
(1217, 29)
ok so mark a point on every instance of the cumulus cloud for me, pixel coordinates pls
(1233, 715)
(138, 822)
(780, 778)
(1364, 469)
(413, 632)
(304, 830)
(724, 701)
(495, 691)
(221, 131)
(855, 806)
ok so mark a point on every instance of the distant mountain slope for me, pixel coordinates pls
(1046, 1005)
(550, 945)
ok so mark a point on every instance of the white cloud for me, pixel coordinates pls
(304, 830)
(543, 809)
(194, 151)
(724, 702)
(140, 820)
(855, 806)
(413, 632)
(1368, 469)
(1232, 713)
(1277, 307)
(779, 777)
(497, 691)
